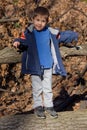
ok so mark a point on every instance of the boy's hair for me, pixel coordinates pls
(41, 11)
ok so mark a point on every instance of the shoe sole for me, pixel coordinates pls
(39, 117)
(54, 117)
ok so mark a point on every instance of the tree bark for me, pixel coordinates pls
(10, 55)
(82, 51)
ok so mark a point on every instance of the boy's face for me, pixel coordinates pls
(39, 22)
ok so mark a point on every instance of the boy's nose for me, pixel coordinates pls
(39, 22)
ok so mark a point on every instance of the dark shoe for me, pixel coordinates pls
(39, 112)
(51, 111)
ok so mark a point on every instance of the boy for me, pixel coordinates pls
(41, 58)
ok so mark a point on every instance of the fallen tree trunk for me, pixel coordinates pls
(82, 51)
(10, 55)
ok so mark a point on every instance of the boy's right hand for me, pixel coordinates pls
(16, 44)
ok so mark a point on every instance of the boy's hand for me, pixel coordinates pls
(16, 44)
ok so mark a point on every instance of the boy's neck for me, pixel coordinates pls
(42, 29)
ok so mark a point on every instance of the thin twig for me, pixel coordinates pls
(80, 11)
(74, 8)
(57, 18)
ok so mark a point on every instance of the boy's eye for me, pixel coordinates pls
(38, 20)
(43, 21)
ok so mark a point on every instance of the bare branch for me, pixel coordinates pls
(9, 20)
